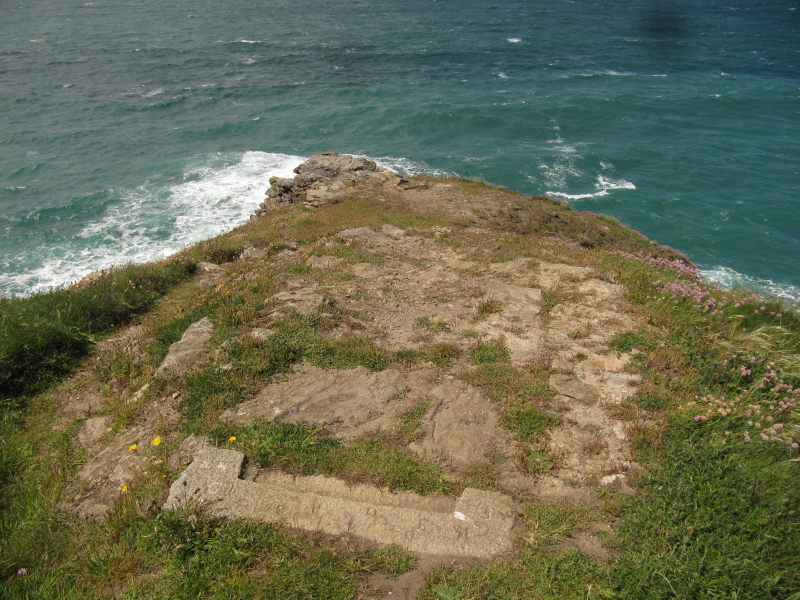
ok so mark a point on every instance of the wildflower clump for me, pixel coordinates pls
(676, 265)
(763, 404)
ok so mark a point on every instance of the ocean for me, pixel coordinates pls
(131, 129)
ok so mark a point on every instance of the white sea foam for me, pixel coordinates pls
(513, 40)
(731, 279)
(603, 185)
(149, 223)
(607, 72)
(409, 167)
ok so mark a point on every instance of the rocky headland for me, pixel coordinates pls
(411, 363)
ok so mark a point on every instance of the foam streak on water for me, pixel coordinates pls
(730, 279)
(604, 186)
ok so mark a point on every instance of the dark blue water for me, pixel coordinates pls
(130, 129)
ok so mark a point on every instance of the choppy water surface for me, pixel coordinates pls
(131, 129)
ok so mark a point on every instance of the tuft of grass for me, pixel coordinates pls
(627, 341)
(354, 253)
(394, 561)
(206, 557)
(551, 299)
(489, 307)
(431, 325)
(410, 423)
(505, 383)
(549, 523)
(653, 401)
(536, 460)
(528, 423)
(441, 355)
(485, 353)
(373, 460)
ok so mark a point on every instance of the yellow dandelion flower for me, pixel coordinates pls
(156, 441)
(226, 292)
(219, 285)
(133, 447)
(231, 439)
(124, 488)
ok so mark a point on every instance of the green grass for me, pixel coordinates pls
(489, 307)
(535, 570)
(528, 423)
(410, 422)
(485, 353)
(718, 516)
(395, 561)
(630, 340)
(353, 253)
(431, 325)
(715, 521)
(305, 449)
(43, 336)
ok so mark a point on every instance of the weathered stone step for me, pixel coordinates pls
(476, 524)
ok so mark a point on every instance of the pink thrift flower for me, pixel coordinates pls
(22, 571)
(698, 418)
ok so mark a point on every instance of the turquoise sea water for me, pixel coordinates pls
(130, 129)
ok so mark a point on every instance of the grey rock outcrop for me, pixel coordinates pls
(321, 177)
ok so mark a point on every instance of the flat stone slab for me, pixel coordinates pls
(476, 524)
(354, 401)
(364, 234)
(572, 387)
(460, 426)
(521, 302)
(186, 352)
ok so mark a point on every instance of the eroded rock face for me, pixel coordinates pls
(321, 177)
(186, 352)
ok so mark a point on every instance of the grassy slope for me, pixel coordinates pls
(717, 516)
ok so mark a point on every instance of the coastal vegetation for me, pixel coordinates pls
(714, 422)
